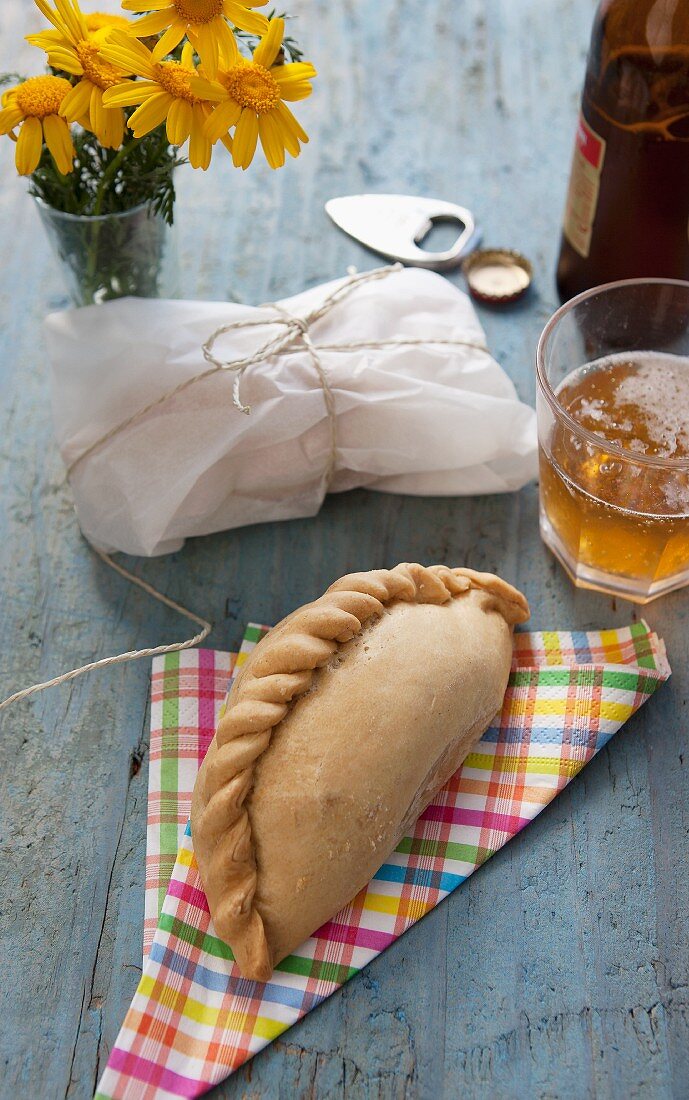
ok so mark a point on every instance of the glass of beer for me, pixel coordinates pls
(613, 427)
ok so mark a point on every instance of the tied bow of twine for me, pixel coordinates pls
(294, 336)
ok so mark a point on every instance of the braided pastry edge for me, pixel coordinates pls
(279, 671)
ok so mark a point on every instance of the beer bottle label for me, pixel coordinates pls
(584, 186)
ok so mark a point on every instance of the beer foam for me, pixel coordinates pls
(660, 387)
(639, 401)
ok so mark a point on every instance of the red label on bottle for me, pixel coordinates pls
(584, 186)
(590, 145)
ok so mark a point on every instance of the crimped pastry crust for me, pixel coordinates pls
(279, 673)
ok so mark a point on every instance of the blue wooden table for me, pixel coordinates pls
(561, 969)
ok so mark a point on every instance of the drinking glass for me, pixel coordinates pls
(614, 491)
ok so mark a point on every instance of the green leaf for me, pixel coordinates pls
(109, 181)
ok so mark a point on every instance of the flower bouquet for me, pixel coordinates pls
(100, 134)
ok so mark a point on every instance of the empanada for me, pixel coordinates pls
(345, 721)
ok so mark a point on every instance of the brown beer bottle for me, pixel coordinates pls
(627, 211)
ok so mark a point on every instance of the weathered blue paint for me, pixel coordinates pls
(562, 968)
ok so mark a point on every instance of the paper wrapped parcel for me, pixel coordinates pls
(380, 380)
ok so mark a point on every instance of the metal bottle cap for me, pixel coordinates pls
(497, 275)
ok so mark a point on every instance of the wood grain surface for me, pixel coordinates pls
(561, 968)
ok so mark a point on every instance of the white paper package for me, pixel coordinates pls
(430, 412)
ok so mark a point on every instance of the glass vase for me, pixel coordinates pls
(112, 255)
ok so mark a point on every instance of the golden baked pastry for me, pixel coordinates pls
(344, 722)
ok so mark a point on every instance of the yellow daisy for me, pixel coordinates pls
(251, 95)
(164, 94)
(35, 105)
(204, 22)
(73, 48)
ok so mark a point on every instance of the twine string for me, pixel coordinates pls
(294, 329)
(295, 336)
(328, 395)
(131, 655)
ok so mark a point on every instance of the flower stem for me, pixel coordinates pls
(107, 179)
(110, 173)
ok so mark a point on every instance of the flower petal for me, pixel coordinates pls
(269, 46)
(245, 139)
(130, 92)
(291, 125)
(246, 20)
(205, 41)
(115, 121)
(222, 119)
(76, 103)
(271, 140)
(67, 62)
(152, 24)
(72, 20)
(293, 70)
(300, 89)
(200, 149)
(207, 89)
(51, 15)
(145, 5)
(129, 54)
(96, 112)
(227, 45)
(9, 118)
(29, 146)
(60, 51)
(179, 121)
(169, 41)
(287, 134)
(45, 40)
(150, 114)
(59, 141)
(107, 123)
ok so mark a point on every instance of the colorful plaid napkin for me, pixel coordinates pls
(194, 1020)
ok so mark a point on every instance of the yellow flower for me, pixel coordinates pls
(164, 93)
(204, 22)
(73, 48)
(251, 95)
(35, 104)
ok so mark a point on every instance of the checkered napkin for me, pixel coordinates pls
(194, 1019)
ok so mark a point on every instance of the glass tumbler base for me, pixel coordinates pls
(612, 584)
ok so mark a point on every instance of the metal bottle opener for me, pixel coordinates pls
(393, 225)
